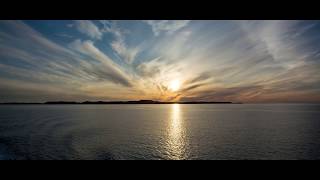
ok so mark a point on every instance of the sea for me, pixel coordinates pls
(160, 132)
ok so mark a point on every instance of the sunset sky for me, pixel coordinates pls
(239, 61)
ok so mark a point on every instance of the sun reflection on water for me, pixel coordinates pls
(176, 142)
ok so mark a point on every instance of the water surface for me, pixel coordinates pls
(209, 131)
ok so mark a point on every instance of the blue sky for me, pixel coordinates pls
(247, 61)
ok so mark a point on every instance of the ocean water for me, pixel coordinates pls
(209, 131)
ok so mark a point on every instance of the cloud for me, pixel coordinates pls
(32, 63)
(39, 55)
(242, 59)
(167, 26)
(151, 68)
(89, 28)
(110, 70)
(192, 87)
(247, 61)
(128, 54)
(200, 78)
(20, 91)
(63, 35)
(225, 94)
(70, 25)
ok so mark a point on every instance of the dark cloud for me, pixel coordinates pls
(192, 87)
(224, 94)
(202, 77)
(163, 89)
(175, 97)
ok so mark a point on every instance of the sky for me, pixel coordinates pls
(165, 60)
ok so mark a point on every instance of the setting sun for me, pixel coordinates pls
(175, 85)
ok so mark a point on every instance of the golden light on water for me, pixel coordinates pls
(176, 143)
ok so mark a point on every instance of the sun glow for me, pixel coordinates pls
(175, 85)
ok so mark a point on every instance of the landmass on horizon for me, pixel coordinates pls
(127, 102)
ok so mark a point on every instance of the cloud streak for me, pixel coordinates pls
(247, 61)
(167, 26)
(109, 69)
(119, 45)
(89, 28)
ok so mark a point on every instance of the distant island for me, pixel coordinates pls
(121, 102)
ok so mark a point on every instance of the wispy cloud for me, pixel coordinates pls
(242, 61)
(248, 61)
(110, 70)
(63, 35)
(119, 45)
(167, 26)
(89, 28)
(47, 67)
(127, 54)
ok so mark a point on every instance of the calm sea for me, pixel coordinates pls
(103, 132)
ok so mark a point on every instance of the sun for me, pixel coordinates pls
(174, 85)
